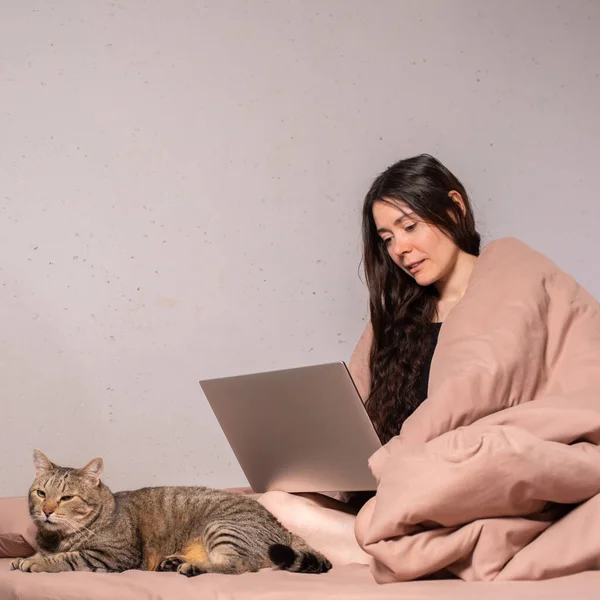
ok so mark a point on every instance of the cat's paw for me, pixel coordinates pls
(170, 564)
(190, 570)
(15, 565)
(28, 565)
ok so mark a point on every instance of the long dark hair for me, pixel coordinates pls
(401, 309)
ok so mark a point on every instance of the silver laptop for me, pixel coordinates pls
(297, 430)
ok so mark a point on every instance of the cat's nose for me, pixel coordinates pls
(48, 510)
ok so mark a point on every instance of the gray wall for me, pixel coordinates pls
(181, 184)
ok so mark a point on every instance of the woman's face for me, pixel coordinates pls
(422, 250)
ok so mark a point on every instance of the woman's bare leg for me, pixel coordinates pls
(325, 524)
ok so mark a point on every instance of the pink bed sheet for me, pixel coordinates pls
(347, 583)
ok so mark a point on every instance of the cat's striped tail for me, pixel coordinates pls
(298, 558)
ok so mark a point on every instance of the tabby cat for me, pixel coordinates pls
(83, 526)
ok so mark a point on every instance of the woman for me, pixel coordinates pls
(420, 246)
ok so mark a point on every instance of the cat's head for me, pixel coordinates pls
(63, 499)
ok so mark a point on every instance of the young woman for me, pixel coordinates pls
(420, 245)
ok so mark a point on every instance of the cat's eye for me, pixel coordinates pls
(66, 498)
(40, 493)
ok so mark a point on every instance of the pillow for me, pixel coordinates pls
(17, 530)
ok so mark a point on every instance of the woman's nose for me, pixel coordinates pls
(401, 246)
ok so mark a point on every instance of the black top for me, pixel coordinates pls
(357, 499)
(434, 331)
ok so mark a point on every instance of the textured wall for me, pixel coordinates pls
(181, 184)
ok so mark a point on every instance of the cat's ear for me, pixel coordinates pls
(92, 471)
(41, 463)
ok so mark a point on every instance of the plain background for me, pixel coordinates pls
(180, 188)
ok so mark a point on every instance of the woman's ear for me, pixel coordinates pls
(456, 197)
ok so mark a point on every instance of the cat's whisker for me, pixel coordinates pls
(80, 535)
(84, 531)
(80, 528)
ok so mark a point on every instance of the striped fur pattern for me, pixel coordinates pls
(83, 526)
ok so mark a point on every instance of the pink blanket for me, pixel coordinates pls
(496, 476)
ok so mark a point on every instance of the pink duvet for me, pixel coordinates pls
(497, 475)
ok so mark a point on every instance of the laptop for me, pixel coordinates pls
(297, 430)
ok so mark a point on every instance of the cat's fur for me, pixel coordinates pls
(83, 526)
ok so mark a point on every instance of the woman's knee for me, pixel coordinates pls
(293, 511)
(277, 502)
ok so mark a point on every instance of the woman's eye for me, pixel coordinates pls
(41, 494)
(66, 498)
(411, 227)
(387, 242)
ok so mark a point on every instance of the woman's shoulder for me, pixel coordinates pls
(506, 245)
(509, 263)
(513, 253)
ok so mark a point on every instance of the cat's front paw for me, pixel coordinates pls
(28, 565)
(16, 564)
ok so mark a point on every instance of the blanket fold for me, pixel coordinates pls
(497, 474)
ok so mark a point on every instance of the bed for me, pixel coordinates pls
(352, 581)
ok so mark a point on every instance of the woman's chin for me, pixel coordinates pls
(423, 279)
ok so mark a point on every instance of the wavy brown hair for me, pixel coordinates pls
(400, 309)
